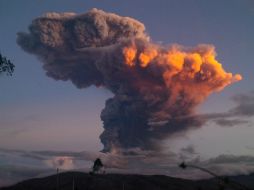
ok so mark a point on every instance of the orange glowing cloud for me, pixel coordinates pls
(194, 69)
(147, 56)
(130, 55)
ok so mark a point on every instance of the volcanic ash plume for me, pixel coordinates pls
(156, 89)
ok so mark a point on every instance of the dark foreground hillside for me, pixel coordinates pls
(85, 181)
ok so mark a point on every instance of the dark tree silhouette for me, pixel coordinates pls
(96, 166)
(6, 66)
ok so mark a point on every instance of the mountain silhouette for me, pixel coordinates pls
(84, 181)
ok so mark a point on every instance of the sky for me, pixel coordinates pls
(41, 114)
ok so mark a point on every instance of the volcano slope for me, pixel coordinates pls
(86, 181)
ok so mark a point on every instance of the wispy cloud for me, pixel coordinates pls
(240, 114)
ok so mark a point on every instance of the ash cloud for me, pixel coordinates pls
(156, 89)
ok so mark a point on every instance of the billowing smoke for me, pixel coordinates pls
(156, 89)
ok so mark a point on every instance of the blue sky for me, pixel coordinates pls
(38, 113)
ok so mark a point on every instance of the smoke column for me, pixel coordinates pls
(156, 89)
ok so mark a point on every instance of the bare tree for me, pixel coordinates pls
(6, 66)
